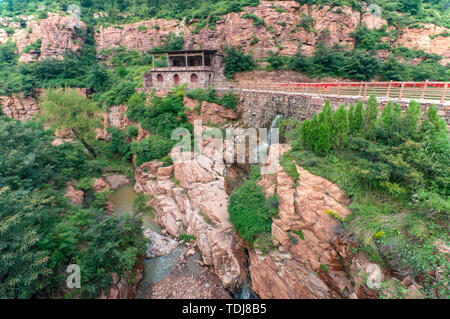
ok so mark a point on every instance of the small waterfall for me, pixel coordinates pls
(272, 126)
(263, 147)
(245, 292)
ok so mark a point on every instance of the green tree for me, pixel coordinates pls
(358, 118)
(351, 112)
(248, 210)
(22, 264)
(326, 114)
(323, 144)
(340, 127)
(371, 113)
(67, 109)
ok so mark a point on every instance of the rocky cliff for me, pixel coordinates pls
(284, 29)
(189, 197)
(19, 108)
(57, 33)
(313, 257)
(285, 25)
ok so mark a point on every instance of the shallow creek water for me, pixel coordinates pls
(157, 268)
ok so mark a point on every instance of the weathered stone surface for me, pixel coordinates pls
(115, 181)
(208, 113)
(195, 202)
(76, 197)
(373, 21)
(58, 34)
(159, 245)
(109, 207)
(19, 108)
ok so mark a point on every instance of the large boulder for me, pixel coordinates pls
(58, 34)
(116, 181)
(75, 196)
(159, 245)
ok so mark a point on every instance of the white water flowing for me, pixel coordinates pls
(262, 148)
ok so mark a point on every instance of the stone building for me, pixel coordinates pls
(197, 68)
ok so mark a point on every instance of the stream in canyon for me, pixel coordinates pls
(167, 277)
(157, 268)
(163, 268)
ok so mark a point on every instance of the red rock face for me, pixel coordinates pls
(280, 32)
(18, 108)
(209, 112)
(194, 202)
(426, 39)
(58, 34)
(319, 263)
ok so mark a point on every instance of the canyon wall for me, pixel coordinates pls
(313, 257)
(19, 108)
(189, 197)
(58, 34)
(284, 30)
(281, 32)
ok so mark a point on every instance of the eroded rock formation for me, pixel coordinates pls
(208, 113)
(159, 245)
(19, 108)
(125, 286)
(280, 32)
(284, 29)
(75, 196)
(189, 197)
(430, 38)
(57, 33)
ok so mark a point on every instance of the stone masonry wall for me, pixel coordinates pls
(258, 109)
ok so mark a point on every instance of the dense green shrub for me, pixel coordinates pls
(248, 211)
(228, 99)
(150, 148)
(54, 234)
(236, 61)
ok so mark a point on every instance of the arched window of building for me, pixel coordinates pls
(176, 79)
(194, 77)
(159, 78)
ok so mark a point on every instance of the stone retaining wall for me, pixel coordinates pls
(259, 108)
